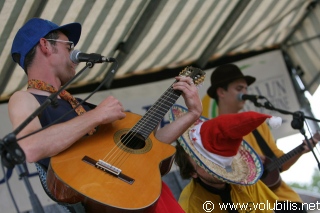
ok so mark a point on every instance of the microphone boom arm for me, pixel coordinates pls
(297, 122)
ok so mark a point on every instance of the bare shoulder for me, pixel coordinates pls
(22, 99)
(22, 104)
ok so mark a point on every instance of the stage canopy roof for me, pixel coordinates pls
(147, 36)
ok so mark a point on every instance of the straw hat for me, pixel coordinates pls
(217, 145)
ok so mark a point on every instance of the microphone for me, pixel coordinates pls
(77, 56)
(243, 97)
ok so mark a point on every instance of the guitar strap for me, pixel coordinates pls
(263, 145)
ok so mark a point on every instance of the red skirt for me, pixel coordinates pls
(167, 202)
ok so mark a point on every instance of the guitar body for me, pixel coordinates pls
(271, 177)
(71, 179)
(119, 168)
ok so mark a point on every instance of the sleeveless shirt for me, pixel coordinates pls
(51, 113)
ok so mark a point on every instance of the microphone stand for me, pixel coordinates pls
(12, 154)
(296, 123)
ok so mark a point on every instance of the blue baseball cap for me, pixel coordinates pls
(35, 29)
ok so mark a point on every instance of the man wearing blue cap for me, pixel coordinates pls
(42, 49)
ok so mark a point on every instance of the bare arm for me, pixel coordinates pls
(170, 132)
(59, 137)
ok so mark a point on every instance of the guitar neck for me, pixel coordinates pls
(277, 163)
(156, 112)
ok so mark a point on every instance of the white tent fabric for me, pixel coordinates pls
(149, 36)
(303, 47)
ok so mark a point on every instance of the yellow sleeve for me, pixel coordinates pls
(264, 198)
(266, 134)
(284, 192)
(194, 198)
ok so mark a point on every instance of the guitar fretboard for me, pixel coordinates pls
(277, 163)
(156, 112)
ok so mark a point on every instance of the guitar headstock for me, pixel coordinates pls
(196, 74)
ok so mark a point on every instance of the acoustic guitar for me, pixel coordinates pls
(271, 175)
(119, 168)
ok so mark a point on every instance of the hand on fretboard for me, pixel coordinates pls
(313, 141)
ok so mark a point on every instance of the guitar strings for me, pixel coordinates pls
(279, 162)
(120, 158)
(142, 125)
(133, 133)
(130, 135)
(116, 156)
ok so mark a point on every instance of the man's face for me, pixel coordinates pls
(205, 176)
(229, 98)
(62, 59)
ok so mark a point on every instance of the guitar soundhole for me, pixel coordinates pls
(133, 140)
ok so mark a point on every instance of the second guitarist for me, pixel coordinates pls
(227, 82)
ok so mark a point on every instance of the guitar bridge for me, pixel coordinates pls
(108, 168)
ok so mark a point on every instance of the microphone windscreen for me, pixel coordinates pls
(240, 96)
(74, 56)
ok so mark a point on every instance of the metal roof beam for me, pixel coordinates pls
(133, 40)
(284, 47)
(225, 27)
(309, 9)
